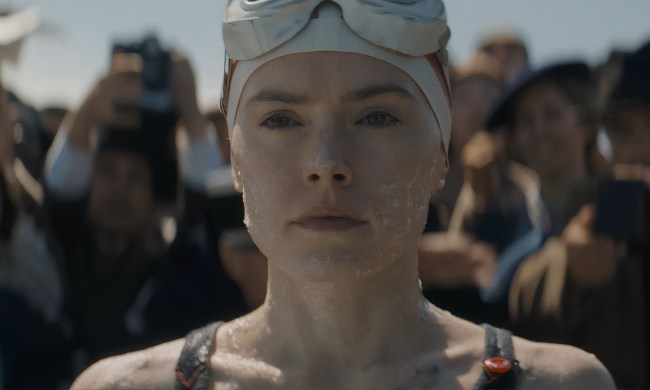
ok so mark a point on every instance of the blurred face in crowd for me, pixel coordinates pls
(473, 98)
(337, 155)
(508, 56)
(121, 197)
(629, 132)
(548, 132)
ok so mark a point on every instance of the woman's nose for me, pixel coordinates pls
(328, 166)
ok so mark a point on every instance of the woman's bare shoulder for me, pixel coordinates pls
(556, 366)
(151, 368)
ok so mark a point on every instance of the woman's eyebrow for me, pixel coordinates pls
(281, 96)
(381, 89)
(277, 96)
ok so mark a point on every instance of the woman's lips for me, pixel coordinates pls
(329, 220)
(329, 223)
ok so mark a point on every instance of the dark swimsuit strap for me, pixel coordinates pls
(192, 369)
(500, 352)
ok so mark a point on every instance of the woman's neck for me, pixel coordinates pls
(345, 325)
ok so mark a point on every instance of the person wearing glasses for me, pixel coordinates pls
(339, 119)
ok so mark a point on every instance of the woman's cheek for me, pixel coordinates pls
(402, 208)
(258, 196)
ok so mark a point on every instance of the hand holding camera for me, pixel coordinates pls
(592, 259)
(599, 236)
(112, 101)
(168, 86)
(145, 88)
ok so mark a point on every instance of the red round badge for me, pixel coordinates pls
(497, 365)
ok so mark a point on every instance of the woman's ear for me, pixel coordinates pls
(442, 170)
(234, 167)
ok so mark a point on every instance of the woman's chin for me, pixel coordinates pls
(338, 265)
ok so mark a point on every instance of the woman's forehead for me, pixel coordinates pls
(313, 72)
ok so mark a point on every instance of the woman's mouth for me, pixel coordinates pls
(329, 220)
(329, 223)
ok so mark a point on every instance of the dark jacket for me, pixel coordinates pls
(610, 322)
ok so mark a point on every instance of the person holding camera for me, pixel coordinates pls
(589, 286)
(112, 204)
(515, 192)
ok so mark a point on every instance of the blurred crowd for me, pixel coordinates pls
(120, 227)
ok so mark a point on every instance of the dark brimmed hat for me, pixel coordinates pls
(632, 88)
(502, 113)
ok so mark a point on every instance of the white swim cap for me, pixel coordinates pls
(409, 34)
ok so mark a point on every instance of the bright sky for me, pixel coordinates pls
(60, 64)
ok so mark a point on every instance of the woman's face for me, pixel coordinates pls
(548, 132)
(337, 155)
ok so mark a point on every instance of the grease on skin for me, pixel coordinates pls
(395, 177)
(418, 192)
(248, 368)
(397, 208)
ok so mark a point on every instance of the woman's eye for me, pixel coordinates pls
(278, 121)
(378, 119)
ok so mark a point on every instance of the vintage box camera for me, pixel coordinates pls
(157, 94)
(623, 211)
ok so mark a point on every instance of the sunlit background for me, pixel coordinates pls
(58, 64)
